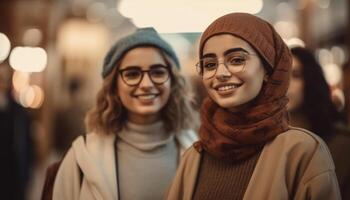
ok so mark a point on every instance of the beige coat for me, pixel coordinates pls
(295, 165)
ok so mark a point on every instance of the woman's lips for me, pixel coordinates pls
(146, 98)
(227, 89)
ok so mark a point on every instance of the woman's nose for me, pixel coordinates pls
(146, 81)
(222, 72)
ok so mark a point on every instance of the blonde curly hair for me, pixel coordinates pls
(109, 115)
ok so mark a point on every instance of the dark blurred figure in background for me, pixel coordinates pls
(69, 120)
(16, 153)
(346, 88)
(199, 90)
(311, 107)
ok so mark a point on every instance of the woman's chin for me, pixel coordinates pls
(232, 104)
(228, 104)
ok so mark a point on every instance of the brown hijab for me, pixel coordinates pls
(234, 136)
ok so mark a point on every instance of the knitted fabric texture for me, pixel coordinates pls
(237, 135)
(218, 179)
(142, 37)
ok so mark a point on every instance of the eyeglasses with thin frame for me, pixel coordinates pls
(133, 76)
(234, 62)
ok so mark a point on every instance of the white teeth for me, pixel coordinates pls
(224, 88)
(146, 97)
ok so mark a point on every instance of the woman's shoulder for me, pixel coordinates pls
(191, 152)
(302, 146)
(90, 146)
(93, 138)
(190, 155)
(300, 137)
(303, 141)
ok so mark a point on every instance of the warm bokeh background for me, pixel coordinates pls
(51, 53)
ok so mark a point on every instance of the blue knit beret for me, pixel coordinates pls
(142, 37)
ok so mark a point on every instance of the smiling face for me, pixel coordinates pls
(233, 90)
(145, 100)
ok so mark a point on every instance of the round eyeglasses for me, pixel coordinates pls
(133, 76)
(234, 63)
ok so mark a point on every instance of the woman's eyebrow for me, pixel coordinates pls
(235, 50)
(131, 67)
(158, 65)
(209, 55)
(228, 51)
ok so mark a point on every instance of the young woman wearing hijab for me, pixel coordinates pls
(310, 106)
(140, 125)
(247, 150)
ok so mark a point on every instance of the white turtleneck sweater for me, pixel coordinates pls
(147, 161)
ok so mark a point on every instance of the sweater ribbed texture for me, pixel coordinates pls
(222, 180)
(147, 161)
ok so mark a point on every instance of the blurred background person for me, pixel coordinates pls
(311, 107)
(16, 144)
(346, 88)
(69, 120)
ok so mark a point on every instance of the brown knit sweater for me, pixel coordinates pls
(218, 179)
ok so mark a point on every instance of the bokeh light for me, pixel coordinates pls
(20, 80)
(32, 37)
(31, 97)
(28, 59)
(295, 42)
(183, 16)
(5, 47)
